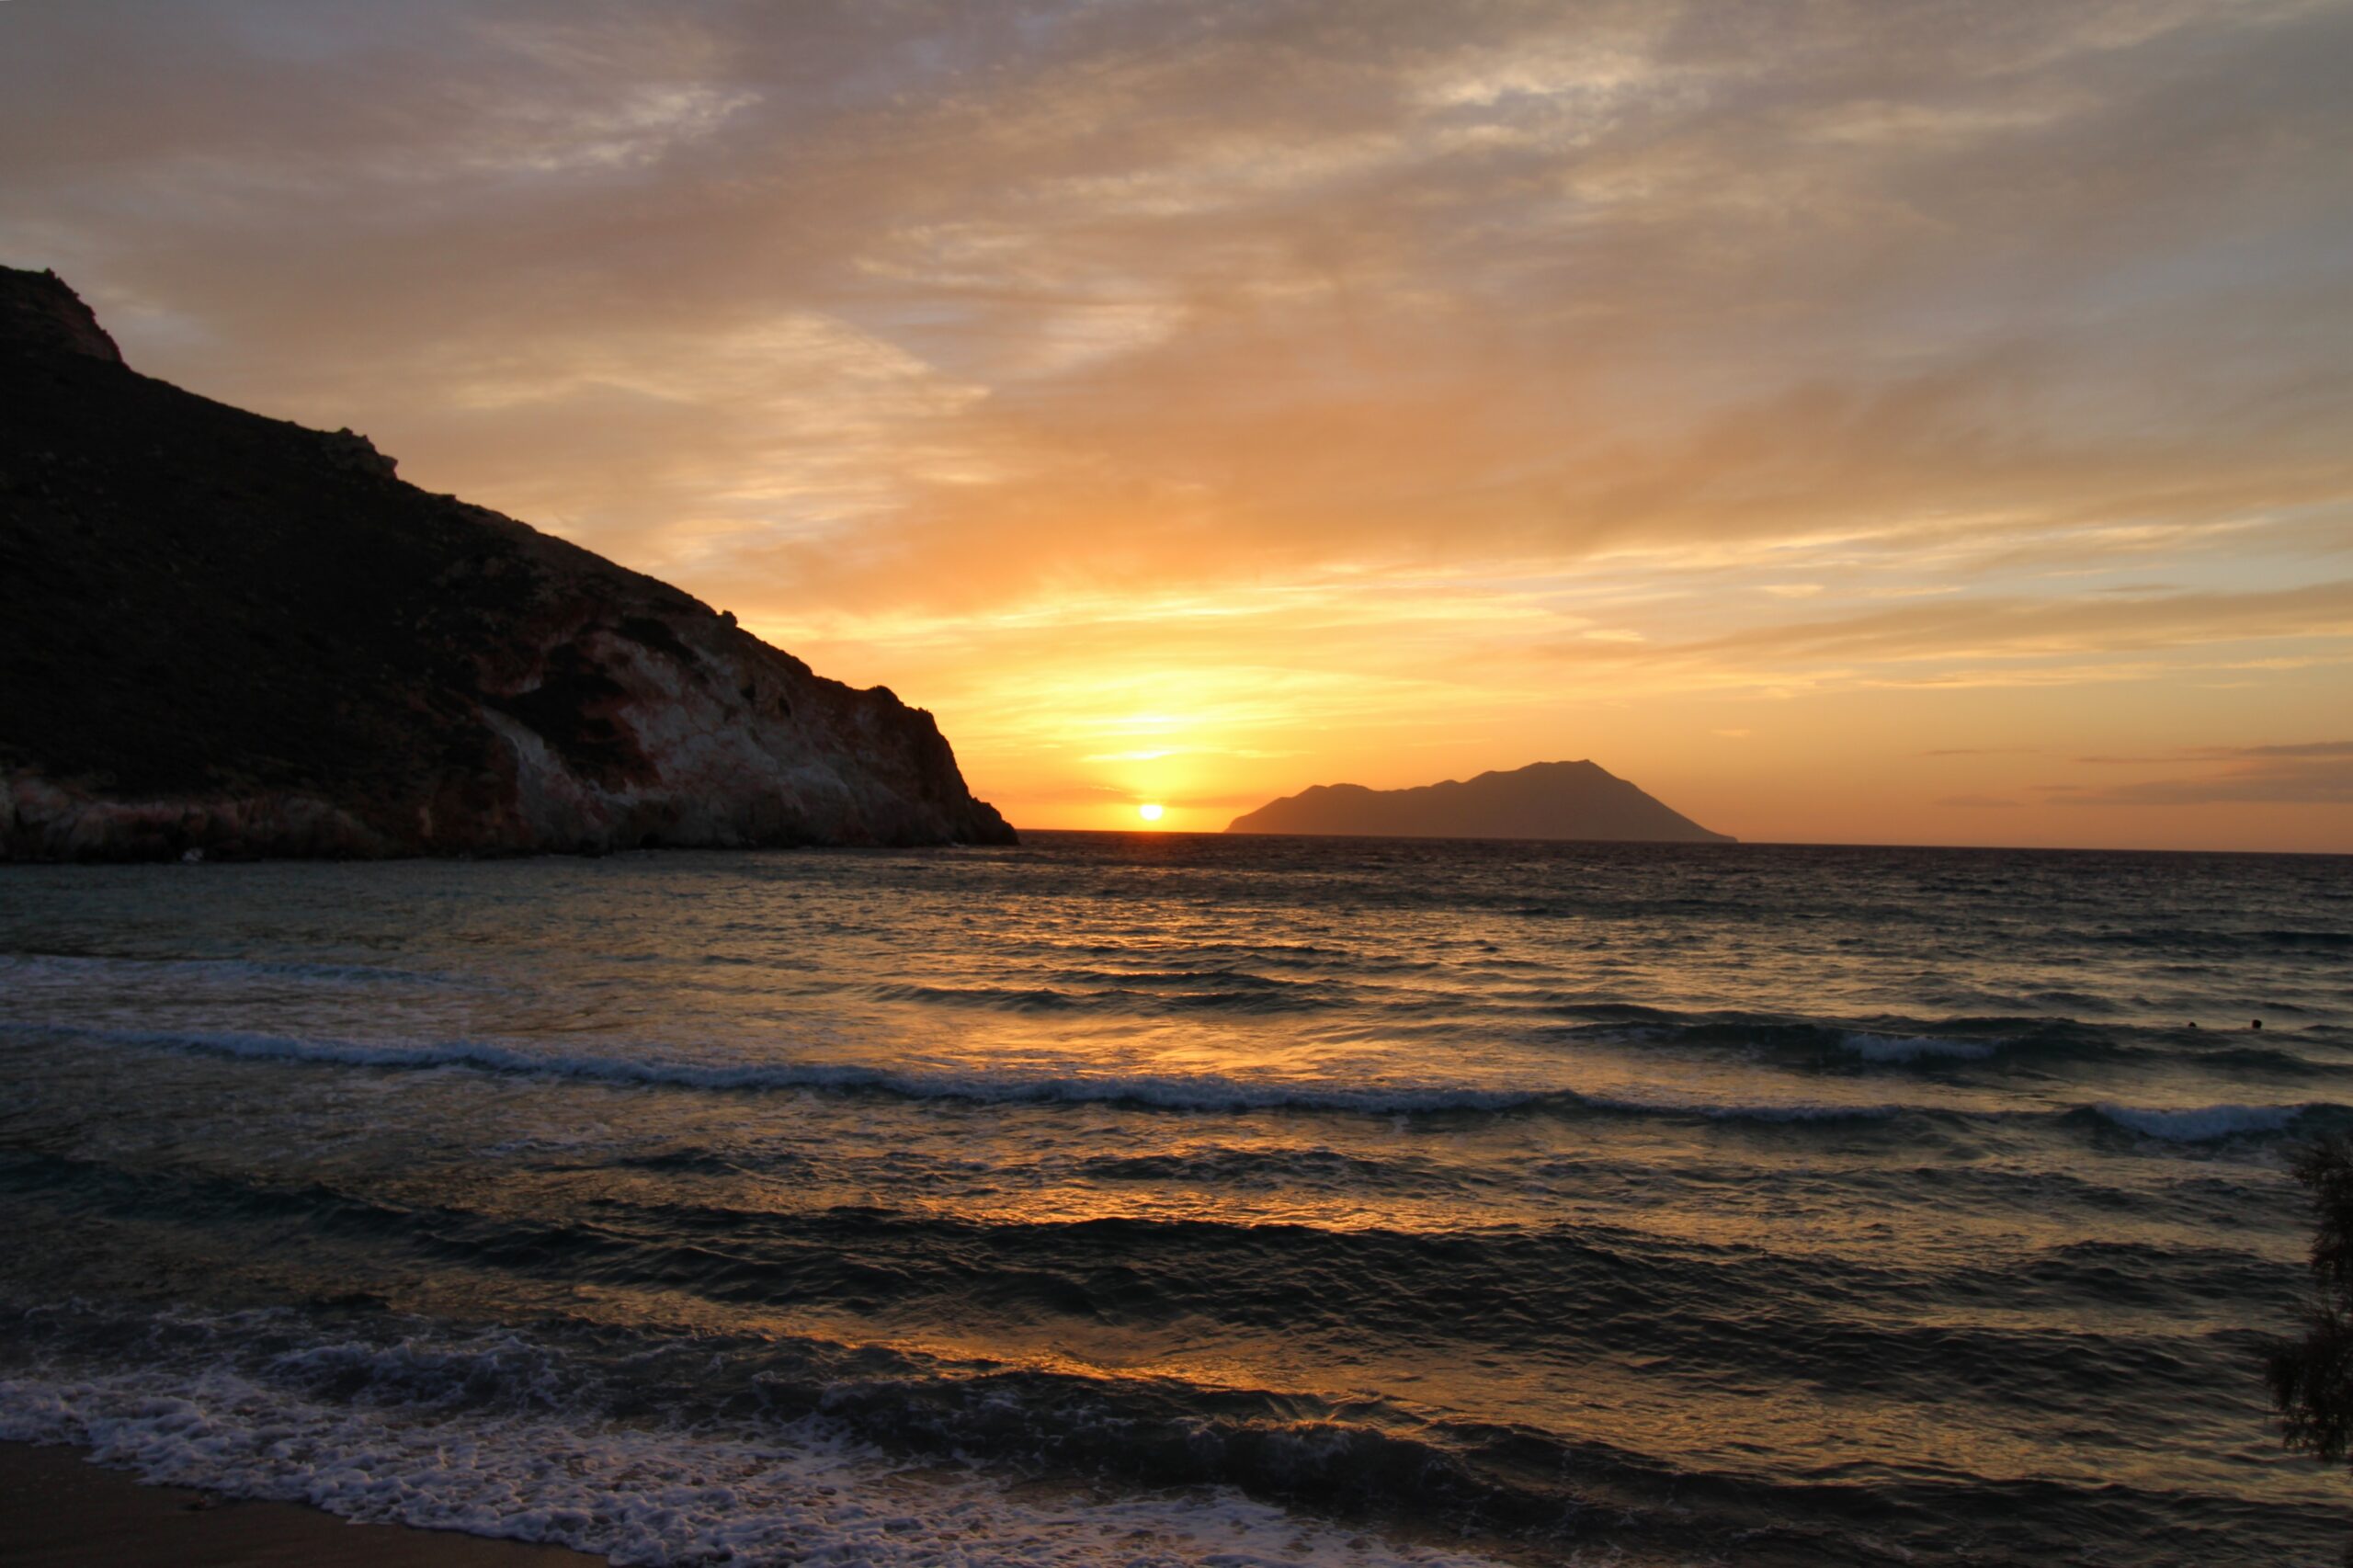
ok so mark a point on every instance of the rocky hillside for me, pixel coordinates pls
(1544, 799)
(230, 634)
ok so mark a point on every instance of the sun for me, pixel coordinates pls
(1151, 811)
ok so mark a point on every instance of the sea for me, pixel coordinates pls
(1147, 1199)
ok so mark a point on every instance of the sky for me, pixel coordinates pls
(1863, 422)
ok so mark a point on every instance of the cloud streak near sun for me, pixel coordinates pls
(1192, 401)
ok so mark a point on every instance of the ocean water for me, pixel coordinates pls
(1135, 1201)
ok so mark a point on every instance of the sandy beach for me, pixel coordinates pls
(58, 1510)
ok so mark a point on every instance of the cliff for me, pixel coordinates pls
(1544, 799)
(230, 634)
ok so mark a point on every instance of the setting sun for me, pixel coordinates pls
(1149, 810)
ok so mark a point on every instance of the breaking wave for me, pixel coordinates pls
(495, 1436)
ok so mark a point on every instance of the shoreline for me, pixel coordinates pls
(59, 1510)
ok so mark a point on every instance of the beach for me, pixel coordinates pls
(57, 1510)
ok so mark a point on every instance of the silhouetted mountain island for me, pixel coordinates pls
(228, 633)
(1544, 799)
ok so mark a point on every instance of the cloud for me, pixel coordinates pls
(2034, 627)
(1985, 642)
(2224, 753)
(2305, 773)
(1219, 282)
(1319, 365)
(2304, 749)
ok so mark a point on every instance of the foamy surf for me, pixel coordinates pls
(1917, 1048)
(2201, 1124)
(406, 1450)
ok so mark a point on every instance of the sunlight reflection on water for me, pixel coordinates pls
(1586, 1170)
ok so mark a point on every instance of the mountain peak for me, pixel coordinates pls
(1579, 799)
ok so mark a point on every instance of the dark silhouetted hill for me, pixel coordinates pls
(1544, 799)
(231, 634)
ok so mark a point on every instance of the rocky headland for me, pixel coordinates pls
(1544, 799)
(227, 635)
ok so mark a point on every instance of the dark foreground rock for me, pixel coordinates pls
(230, 634)
(1544, 799)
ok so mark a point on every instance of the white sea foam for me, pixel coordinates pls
(1882, 1048)
(637, 1496)
(2200, 1123)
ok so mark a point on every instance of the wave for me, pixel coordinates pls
(1018, 998)
(1200, 1093)
(1880, 1048)
(656, 1450)
(1503, 1291)
(1205, 1093)
(2205, 1124)
(114, 967)
(2210, 941)
(1175, 978)
(1839, 1045)
(2326, 941)
(404, 1434)
(1115, 990)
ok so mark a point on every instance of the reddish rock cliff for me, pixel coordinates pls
(230, 634)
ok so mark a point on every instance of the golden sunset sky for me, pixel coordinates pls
(1860, 422)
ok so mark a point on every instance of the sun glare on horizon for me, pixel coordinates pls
(1151, 811)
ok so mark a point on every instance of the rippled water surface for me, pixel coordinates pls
(1169, 1200)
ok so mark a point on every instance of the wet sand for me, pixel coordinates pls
(57, 1510)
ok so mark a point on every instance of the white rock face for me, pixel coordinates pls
(716, 740)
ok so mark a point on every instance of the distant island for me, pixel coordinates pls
(1544, 799)
(228, 636)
